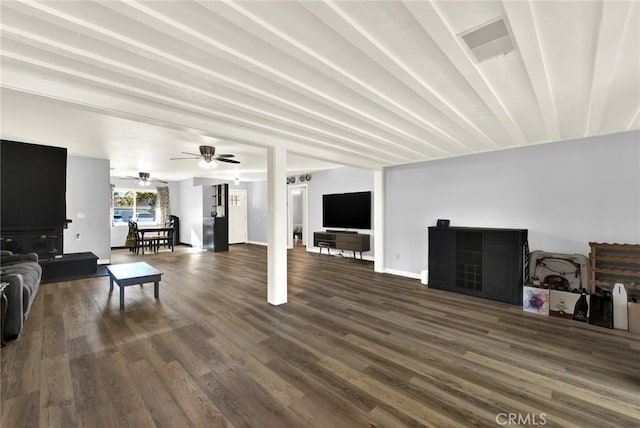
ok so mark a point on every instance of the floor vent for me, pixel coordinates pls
(491, 39)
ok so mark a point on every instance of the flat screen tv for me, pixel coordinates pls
(34, 186)
(347, 210)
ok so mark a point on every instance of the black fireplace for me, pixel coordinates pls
(33, 198)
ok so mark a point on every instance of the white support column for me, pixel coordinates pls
(277, 225)
(378, 219)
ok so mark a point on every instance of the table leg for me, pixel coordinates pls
(156, 289)
(121, 297)
(110, 283)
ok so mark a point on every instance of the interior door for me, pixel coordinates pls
(237, 216)
(297, 213)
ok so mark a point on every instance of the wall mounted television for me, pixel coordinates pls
(34, 185)
(347, 210)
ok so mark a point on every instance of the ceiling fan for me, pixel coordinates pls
(145, 179)
(207, 156)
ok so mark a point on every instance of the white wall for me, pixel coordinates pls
(174, 197)
(566, 194)
(257, 212)
(297, 208)
(187, 199)
(207, 191)
(337, 180)
(88, 194)
(118, 232)
(190, 213)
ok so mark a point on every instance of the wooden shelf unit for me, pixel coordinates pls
(350, 241)
(611, 263)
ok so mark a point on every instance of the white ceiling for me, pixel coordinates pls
(367, 84)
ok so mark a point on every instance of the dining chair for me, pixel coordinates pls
(166, 237)
(142, 241)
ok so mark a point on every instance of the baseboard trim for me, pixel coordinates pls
(123, 247)
(264, 244)
(346, 254)
(406, 274)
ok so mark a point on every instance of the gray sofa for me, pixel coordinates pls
(23, 273)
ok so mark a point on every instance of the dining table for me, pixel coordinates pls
(157, 231)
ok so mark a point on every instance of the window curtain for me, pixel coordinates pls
(163, 202)
(112, 189)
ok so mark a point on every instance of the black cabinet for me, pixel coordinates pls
(175, 222)
(215, 233)
(482, 262)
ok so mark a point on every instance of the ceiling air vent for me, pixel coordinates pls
(491, 39)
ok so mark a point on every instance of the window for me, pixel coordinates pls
(135, 205)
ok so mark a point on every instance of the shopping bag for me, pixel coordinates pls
(634, 315)
(601, 311)
(130, 241)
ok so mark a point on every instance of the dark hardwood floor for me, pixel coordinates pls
(351, 348)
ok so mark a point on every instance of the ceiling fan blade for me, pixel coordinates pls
(196, 157)
(226, 155)
(160, 181)
(192, 154)
(226, 160)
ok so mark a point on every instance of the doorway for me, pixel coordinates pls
(298, 216)
(237, 216)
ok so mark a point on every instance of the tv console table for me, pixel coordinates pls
(350, 241)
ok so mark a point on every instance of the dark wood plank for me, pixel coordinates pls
(351, 348)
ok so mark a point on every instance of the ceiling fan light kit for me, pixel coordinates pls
(207, 157)
(144, 179)
(207, 164)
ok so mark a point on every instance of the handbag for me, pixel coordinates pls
(130, 241)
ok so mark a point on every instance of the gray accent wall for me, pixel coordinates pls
(566, 194)
(337, 180)
(257, 211)
(88, 194)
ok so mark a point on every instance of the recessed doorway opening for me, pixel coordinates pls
(298, 216)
